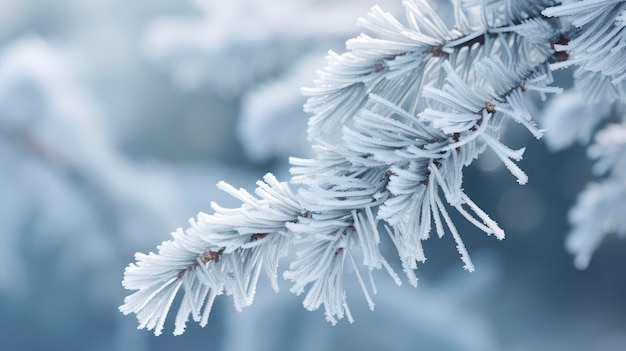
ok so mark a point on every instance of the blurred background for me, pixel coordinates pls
(118, 118)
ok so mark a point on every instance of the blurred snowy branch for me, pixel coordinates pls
(232, 46)
(601, 206)
(73, 204)
(261, 52)
(272, 122)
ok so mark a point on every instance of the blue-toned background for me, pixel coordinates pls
(117, 119)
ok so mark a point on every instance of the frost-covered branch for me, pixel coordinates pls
(220, 253)
(396, 120)
(400, 60)
(598, 46)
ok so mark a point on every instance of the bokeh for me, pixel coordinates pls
(117, 119)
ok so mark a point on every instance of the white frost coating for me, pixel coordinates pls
(214, 256)
(598, 50)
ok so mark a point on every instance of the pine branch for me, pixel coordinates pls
(598, 47)
(219, 253)
(397, 118)
(400, 60)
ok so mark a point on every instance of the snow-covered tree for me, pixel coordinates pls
(396, 119)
